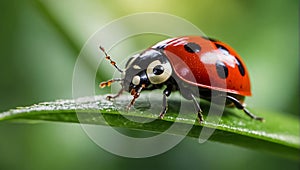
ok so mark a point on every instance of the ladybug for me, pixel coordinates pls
(189, 61)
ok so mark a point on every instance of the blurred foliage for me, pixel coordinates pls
(38, 55)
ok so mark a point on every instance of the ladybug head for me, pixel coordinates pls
(145, 70)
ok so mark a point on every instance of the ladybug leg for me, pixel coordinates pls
(135, 93)
(166, 94)
(164, 107)
(198, 109)
(239, 105)
(115, 96)
(108, 83)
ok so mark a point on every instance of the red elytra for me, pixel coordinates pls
(202, 70)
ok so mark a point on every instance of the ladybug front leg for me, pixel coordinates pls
(116, 95)
(108, 83)
(239, 105)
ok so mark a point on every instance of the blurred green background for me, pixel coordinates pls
(39, 45)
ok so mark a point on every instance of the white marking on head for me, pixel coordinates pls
(136, 67)
(136, 80)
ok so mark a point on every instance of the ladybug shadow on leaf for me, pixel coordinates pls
(174, 108)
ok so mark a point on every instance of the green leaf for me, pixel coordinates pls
(278, 134)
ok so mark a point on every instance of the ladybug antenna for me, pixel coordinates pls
(111, 61)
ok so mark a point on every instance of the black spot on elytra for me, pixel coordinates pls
(221, 47)
(240, 66)
(192, 47)
(222, 70)
(161, 47)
